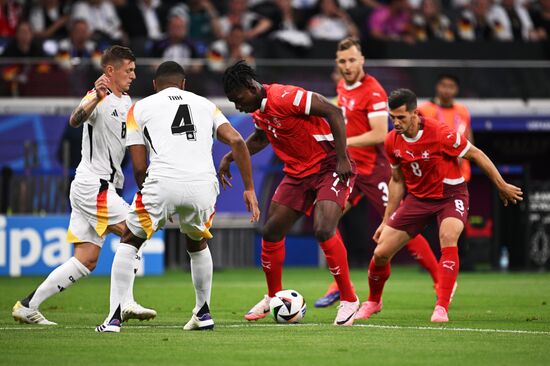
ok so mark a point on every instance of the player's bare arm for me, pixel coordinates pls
(256, 142)
(138, 153)
(377, 134)
(239, 152)
(81, 113)
(396, 191)
(321, 106)
(508, 193)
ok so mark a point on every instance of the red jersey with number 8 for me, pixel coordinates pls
(301, 141)
(428, 160)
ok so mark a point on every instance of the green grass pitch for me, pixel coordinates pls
(496, 319)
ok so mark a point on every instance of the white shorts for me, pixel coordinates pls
(158, 201)
(95, 205)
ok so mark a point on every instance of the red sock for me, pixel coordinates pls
(421, 251)
(378, 275)
(337, 260)
(273, 257)
(448, 272)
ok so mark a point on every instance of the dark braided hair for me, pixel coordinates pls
(238, 76)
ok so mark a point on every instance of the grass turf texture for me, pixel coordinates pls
(484, 302)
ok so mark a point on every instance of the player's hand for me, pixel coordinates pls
(102, 86)
(509, 193)
(344, 170)
(252, 205)
(378, 232)
(224, 173)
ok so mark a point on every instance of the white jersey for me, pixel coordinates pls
(104, 140)
(179, 128)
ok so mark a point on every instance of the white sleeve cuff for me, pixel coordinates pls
(468, 146)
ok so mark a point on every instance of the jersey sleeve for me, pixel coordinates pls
(88, 97)
(292, 100)
(378, 103)
(133, 132)
(219, 119)
(453, 143)
(255, 119)
(388, 146)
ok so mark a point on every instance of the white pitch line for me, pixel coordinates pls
(394, 327)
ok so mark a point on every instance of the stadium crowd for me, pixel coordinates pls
(236, 29)
(207, 36)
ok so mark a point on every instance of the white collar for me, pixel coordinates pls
(413, 139)
(357, 84)
(262, 106)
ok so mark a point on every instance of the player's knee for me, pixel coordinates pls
(129, 238)
(380, 256)
(323, 234)
(448, 238)
(268, 234)
(89, 263)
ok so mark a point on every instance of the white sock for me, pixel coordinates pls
(122, 277)
(201, 273)
(129, 298)
(58, 280)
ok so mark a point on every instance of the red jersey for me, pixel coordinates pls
(363, 100)
(301, 141)
(429, 160)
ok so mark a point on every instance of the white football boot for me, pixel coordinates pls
(133, 310)
(27, 315)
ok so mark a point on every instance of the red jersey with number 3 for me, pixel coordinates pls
(301, 141)
(359, 102)
(429, 160)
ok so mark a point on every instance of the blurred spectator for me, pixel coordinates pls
(253, 24)
(49, 19)
(484, 21)
(22, 45)
(392, 22)
(519, 21)
(101, 17)
(10, 12)
(78, 47)
(176, 46)
(430, 23)
(332, 23)
(142, 18)
(291, 33)
(204, 21)
(541, 20)
(142, 23)
(445, 109)
(226, 52)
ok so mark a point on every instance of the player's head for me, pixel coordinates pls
(403, 111)
(350, 60)
(119, 64)
(242, 88)
(446, 88)
(169, 74)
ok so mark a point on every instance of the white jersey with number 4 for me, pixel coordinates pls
(179, 128)
(104, 140)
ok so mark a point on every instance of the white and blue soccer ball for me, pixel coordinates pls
(288, 307)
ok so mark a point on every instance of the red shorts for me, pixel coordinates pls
(415, 213)
(374, 186)
(301, 194)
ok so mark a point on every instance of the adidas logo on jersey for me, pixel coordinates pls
(114, 114)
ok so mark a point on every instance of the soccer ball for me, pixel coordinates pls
(288, 307)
